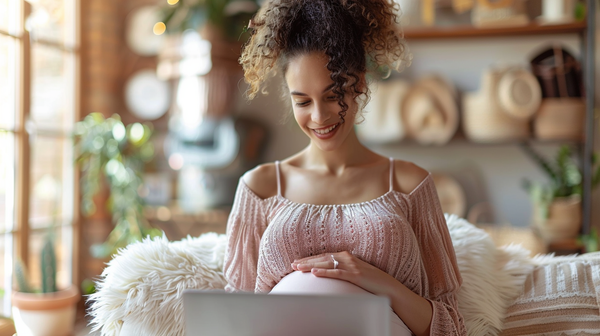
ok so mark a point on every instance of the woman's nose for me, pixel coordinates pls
(320, 114)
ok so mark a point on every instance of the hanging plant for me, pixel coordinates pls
(229, 16)
(109, 151)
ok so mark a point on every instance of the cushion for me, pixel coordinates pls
(492, 277)
(560, 297)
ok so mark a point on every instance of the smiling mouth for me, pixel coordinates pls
(323, 131)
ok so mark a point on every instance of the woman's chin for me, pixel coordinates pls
(307, 283)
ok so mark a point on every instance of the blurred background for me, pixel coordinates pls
(123, 119)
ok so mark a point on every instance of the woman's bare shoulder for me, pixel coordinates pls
(408, 176)
(262, 180)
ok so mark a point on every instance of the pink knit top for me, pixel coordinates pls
(402, 234)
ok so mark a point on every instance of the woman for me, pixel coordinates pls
(337, 217)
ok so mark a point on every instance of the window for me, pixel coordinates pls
(39, 60)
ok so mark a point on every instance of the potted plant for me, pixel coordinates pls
(207, 34)
(47, 311)
(226, 18)
(108, 151)
(557, 205)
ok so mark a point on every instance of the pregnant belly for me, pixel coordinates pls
(306, 283)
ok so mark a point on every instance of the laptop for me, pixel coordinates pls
(218, 313)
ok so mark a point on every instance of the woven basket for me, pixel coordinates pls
(560, 119)
(558, 72)
(564, 219)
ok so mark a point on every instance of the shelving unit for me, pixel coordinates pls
(586, 32)
(473, 32)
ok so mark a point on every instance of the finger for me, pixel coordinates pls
(311, 260)
(318, 256)
(306, 267)
(331, 273)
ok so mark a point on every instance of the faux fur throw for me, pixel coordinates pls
(139, 293)
(492, 277)
(141, 288)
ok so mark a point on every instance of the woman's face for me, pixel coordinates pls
(315, 106)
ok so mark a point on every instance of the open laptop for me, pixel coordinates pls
(217, 313)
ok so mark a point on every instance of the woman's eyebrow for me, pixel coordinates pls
(296, 93)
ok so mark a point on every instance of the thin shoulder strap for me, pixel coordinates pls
(278, 178)
(391, 173)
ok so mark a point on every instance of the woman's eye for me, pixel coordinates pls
(302, 103)
(332, 98)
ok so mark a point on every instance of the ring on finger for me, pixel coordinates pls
(335, 262)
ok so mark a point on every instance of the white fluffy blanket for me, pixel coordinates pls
(139, 293)
(492, 277)
(140, 289)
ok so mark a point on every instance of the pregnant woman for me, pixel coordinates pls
(337, 217)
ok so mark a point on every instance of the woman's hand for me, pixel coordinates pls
(351, 269)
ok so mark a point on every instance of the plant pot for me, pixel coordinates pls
(50, 314)
(563, 221)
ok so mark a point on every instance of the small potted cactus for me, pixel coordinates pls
(48, 311)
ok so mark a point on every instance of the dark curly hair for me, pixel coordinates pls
(356, 35)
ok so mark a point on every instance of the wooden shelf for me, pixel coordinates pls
(460, 140)
(473, 32)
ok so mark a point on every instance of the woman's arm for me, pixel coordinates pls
(443, 279)
(415, 311)
(245, 226)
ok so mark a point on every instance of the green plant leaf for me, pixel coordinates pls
(88, 287)
(109, 151)
(541, 161)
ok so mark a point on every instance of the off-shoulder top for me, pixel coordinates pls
(404, 235)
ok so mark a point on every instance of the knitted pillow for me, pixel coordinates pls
(492, 277)
(560, 297)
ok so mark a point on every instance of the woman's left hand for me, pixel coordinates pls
(349, 268)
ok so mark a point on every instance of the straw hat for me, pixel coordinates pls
(519, 93)
(501, 110)
(430, 111)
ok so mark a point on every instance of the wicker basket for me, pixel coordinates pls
(558, 72)
(560, 119)
(564, 219)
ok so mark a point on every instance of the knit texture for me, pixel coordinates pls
(560, 297)
(404, 235)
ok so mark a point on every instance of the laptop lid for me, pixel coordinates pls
(217, 313)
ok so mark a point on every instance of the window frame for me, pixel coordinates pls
(18, 231)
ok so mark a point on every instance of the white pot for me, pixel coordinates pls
(558, 11)
(51, 314)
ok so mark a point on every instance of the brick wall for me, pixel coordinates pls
(106, 65)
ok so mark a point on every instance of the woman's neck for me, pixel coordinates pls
(350, 153)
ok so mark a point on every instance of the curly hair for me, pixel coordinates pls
(356, 35)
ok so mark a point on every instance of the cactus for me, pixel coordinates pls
(48, 271)
(22, 279)
(48, 264)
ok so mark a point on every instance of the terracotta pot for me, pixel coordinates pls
(564, 219)
(51, 314)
